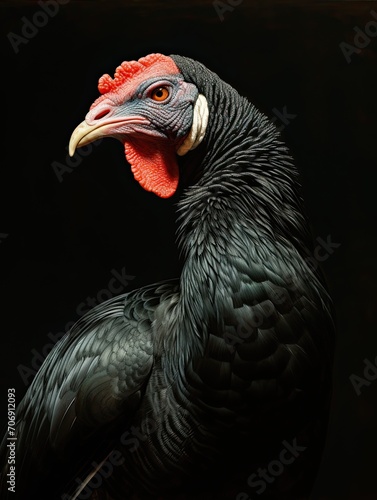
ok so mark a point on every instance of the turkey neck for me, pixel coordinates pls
(242, 201)
(241, 166)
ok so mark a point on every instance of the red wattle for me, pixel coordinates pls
(154, 165)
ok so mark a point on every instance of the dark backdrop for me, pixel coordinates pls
(62, 240)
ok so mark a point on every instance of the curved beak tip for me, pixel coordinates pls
(71, 148)
(82, 135)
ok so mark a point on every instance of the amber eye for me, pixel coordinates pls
(160, 94)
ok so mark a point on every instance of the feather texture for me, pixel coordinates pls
(193, 384)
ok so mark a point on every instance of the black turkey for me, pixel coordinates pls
(213, 385)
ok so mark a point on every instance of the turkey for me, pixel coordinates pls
(215, 385)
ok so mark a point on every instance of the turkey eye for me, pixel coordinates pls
(160, 94)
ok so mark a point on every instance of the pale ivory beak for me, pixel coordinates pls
(85, 134)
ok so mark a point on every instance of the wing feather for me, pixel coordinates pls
(90, 383)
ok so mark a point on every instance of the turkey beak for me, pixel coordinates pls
(84, 134)
(100, 123)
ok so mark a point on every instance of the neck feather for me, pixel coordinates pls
(241, 207)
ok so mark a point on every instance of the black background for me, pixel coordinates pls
(64, 238)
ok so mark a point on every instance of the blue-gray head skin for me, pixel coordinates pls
(154, 112)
